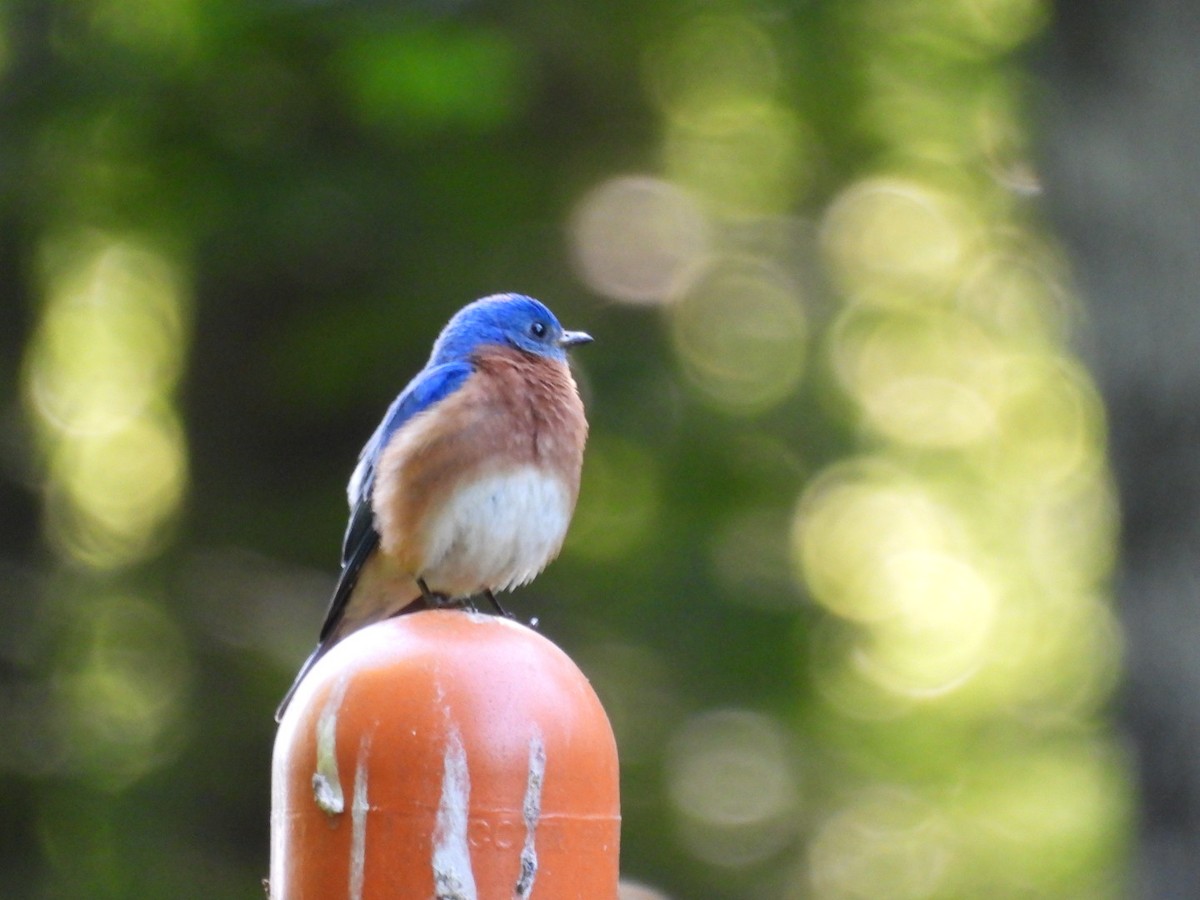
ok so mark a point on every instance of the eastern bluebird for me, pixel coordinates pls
(468, 484)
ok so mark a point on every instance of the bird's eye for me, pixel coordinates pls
(538, 329)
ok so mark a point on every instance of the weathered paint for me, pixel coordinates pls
(359, 808)
(483, 738)
(453, 878)
(327, 787)
(531, 811)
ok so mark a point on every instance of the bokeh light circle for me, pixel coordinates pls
(734, 786)
(635, 238)
(741, 333)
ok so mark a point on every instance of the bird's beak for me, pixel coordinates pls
(574, 338)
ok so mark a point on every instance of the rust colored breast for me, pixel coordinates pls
(540, 402)
(515, 410)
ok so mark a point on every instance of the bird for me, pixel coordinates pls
(468, 485)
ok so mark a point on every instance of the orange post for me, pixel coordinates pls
(448, 755)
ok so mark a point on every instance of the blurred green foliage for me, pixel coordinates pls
(840, 565)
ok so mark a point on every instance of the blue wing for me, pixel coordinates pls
(427, 389)
(430, 387)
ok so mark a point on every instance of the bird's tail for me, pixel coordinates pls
(322, 648)
(320, 651)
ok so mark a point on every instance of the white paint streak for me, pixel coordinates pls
(531, 811)
(453, 878)
(359, 808)
(498, 532)
(327, 788)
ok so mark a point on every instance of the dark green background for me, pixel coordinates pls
(297, 195)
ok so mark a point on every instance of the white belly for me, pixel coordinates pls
(496, 533)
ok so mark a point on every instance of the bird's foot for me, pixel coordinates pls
(433, 599)
(491, 598)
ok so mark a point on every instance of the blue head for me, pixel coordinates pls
(507, 320)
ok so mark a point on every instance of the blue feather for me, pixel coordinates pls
(429, 387)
